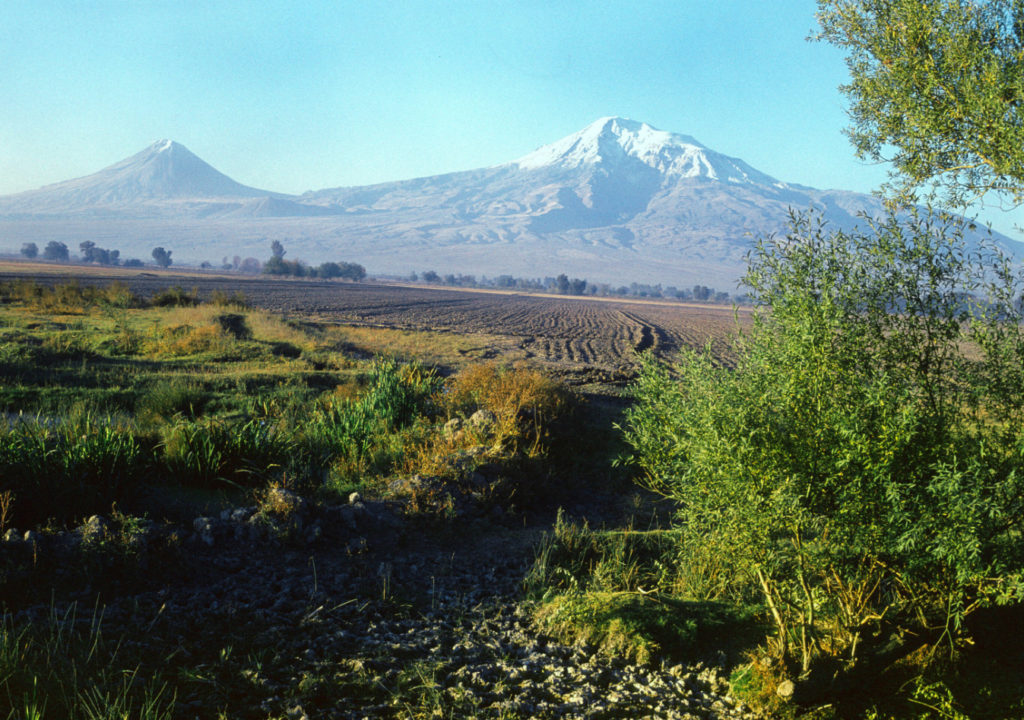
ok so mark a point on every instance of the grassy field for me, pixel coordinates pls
(582, 338)
(150, 409)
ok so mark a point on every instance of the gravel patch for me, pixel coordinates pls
(376, 619)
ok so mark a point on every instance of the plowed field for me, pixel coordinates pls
(585, 339)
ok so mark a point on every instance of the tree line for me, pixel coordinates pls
(277, 265)
(564, 285)
(91, 253)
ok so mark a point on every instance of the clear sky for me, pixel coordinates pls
(294, 96)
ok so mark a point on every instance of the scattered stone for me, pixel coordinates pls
(328, 597)
(407, 485)
(358, 546)
(241, 515)
(204, 527)
(785, 689)
(483, 419)
(281, 501)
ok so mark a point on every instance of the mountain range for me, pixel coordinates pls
(618, 202)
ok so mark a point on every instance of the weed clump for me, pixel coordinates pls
(175, 297)
(68, 471)
(68, 298)
(165, 400)
(207, 452)
(349, 438)
(619, 592)
(523, 402)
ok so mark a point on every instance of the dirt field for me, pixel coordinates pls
(586, 340)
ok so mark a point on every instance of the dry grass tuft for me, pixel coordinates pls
(523, 401)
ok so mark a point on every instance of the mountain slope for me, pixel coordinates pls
(618, 201)
(164, 171)
(615, 184)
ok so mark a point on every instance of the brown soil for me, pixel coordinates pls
(586, 340)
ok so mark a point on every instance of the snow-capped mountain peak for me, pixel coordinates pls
(163, 171)
(614, 141)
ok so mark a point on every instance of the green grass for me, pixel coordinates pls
(620, 591)
(69, 470)
(175, 406)
(627, 594)
(64, 667)
(218, 394)
(643, 627)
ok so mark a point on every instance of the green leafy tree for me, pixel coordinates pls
(56, 251)
(859, 470)
(329, 270)
(275, 266)
(162, 257)
(250, 266)
(88, 249)
(936, 88)
(353, 271)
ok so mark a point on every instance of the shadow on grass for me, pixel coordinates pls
(649, 627)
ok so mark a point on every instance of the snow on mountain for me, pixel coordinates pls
(164, 171)
(618, 201)
(613, 141)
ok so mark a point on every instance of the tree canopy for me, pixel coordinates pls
(936, 88)
(162, 257)
(859, 468)
(56, 251)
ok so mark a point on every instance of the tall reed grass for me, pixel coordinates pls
(206, 452)
(70, 470)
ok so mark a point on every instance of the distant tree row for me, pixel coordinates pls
(102, 256)
(564, 285)
(277, 265)
(249, 265)
(58, 252)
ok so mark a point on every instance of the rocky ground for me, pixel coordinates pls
(356, 612)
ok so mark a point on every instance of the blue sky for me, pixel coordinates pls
(295, 96)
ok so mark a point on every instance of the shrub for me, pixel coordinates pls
(523, 401)
(175, 297)
(860, 468)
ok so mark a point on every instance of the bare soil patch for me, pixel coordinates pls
(584, 340)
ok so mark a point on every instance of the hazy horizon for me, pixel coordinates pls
(291, 98)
